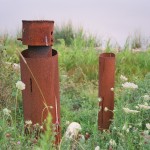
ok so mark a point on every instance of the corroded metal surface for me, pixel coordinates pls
(45, 71)
(39, 71)
(39, 51)
(37, 33)
(106, 83)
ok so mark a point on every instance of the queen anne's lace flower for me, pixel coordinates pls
(97, 148)
(6, 111)
(20, 85)
(127, 110)
(73, 130)
(123, 78)
(28, 122)
(148, 126)
(146, 107)
(124, 127)
(99, 99)
(129, 85)
(16, 67)
(112, 143)
(146, 97)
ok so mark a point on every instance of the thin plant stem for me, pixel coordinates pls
(16, 111)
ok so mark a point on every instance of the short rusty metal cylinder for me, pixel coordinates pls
(106, 93)
(39, 72)
(37, 32)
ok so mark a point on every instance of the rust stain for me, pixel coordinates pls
(43, 62)
(37, 33)
(106, 82)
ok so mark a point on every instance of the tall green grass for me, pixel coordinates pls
(78, 65)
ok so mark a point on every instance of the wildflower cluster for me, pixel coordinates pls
(127, 110)
(20, 85)
(6, 111)
(129, 85)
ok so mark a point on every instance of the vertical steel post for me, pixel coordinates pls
(39, 71)
(106, 85)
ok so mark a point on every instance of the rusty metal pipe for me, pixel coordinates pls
(37, 32)
(106, 83)
(40, 74)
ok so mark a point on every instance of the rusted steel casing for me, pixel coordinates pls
(39, 51)
(39, 72)
(106, 83)
(45, 71)
(37, 33)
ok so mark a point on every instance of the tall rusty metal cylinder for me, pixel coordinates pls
(39, 72)
(106, 93)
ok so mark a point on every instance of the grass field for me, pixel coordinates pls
(78, 66)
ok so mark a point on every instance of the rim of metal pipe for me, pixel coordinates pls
(40, 21)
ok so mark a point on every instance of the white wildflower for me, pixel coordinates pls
(146, 132)
(97, 148)
(99, 99)
(28, 122)
(123, 78)
(16, 67)
(67, 122)
(124, 127)
(112, 89)
(127, 130)
(129, 85)
(41, 127)
(37, 124)
(146, 97)
(20, 85)
(115, 128)
(73, 130)
(6, 111)
(148, 126)
(146, 107)
(137, 107)
(106, 109)
(139, 124)
(112, 143)
(130, 126)
(127, 110)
